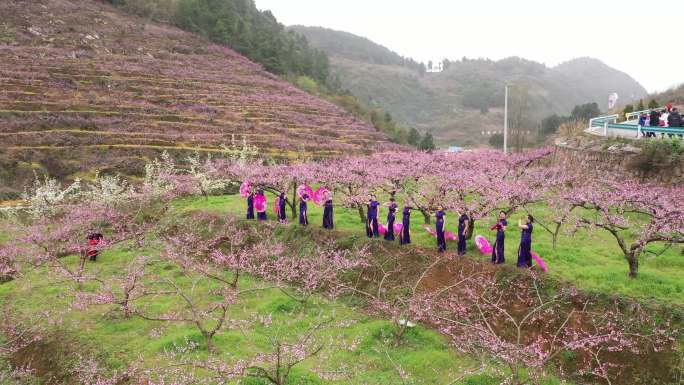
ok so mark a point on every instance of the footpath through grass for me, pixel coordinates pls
(590, 261)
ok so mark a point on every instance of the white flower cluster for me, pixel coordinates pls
(205, 174)
(46, 197)
(158, 175)
(109, 190)
(241, 152)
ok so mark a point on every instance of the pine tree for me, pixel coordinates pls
(414, 137)
(653, 104)
(640, 106)
(427, 144)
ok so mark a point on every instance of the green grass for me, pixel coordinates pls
(118, 341)
(590, 261)
(360, 344)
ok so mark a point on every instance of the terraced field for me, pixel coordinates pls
(78, 79)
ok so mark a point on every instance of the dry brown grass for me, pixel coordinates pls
(572, 129)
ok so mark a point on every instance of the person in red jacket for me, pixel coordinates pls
(94, 240)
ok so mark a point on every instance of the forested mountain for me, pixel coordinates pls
(674, 95)
(353, 47)
(466, 99)
(86, 87)
(240, 25)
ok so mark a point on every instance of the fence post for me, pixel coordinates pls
(605, 128)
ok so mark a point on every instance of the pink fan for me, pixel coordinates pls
(540, 262)
(449, 236)
(321, 195)
(245, 188)
(276, 207)
(483, 245)
(398, 227)
(260, 203)
(382, 229)
(304, 189)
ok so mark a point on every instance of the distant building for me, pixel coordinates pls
(455, 149)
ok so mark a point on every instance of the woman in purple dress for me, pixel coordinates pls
(440, 225)
(525, 250)
(498, 256)
(250, 206)
(372, 226)
(405, 235)
(463, 221)
(304, 211)
(391, 216)
(282, 216)
(328, 222)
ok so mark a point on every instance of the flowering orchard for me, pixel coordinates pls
(517, 320)
(485, 182)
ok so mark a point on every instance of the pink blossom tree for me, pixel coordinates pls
(286, 350)
(523, 324)
(634, 214)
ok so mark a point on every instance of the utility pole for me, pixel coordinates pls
(506, 120)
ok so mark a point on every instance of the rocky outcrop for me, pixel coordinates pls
(599, 158)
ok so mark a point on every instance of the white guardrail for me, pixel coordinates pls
(635, 115)
(601, 123)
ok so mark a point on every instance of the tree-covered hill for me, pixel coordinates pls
(674, 95)
(353, 47)
(465, 99)
(85, 87)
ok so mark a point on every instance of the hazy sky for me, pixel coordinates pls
(641, 38)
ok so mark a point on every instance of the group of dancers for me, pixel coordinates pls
(373, 226)
(281, 209)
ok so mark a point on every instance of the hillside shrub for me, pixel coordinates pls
(571, 129)
(307, 84)
(496, 140)
(658, 154)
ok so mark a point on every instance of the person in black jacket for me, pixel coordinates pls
(655, 118)
(675, 119)
(654, 121)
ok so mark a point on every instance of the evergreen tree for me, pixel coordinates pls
(427, 144)
(422, 69)
(653, 104)
(550, 124)
(640, 106)
(496, 141)
(628, 108)
(413, 137)
(446, 64)
(585, 111)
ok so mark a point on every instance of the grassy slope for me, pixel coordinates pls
(117, 342)
(591, 261)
